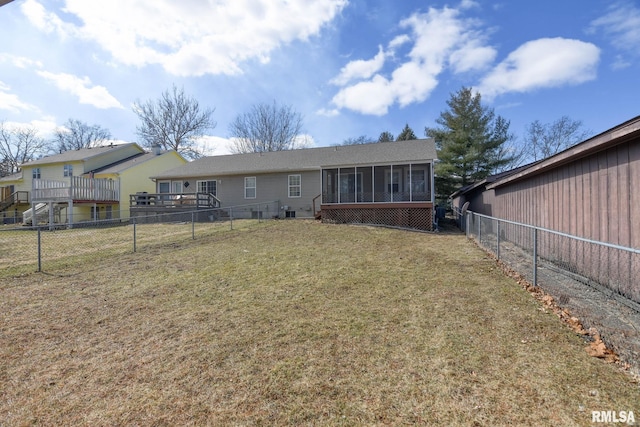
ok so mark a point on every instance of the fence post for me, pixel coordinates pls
(39, 251)
(134, 235)
(498, 240)
(193, 226)
(535, 257)
(480, 231)
(231, 217)
(467, 224)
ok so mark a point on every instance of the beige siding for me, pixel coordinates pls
(136, 178)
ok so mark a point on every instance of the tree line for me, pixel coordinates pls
(471, 140)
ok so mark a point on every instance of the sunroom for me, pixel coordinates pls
(390, 194)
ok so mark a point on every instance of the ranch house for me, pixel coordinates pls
(382, 183)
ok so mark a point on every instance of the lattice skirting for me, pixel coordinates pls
(416, 218)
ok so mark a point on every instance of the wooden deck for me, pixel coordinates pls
(77, 190)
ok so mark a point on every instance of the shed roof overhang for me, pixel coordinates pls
(615, 136)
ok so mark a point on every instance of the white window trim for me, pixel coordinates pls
(215, 193)
(36, 173)
(255, 187)
(298, 186)
(67, 170)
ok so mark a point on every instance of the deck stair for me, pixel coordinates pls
(42, 214)
(17, 198)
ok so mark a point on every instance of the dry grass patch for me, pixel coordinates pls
(294, 323)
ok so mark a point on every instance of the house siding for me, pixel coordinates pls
(269, 187)
(136, 178)
(595, 197)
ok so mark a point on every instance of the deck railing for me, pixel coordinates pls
(174, 200)
(13, 199)
(77, 189)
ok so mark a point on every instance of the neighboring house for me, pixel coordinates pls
(384, 183)
(80, 185)
(133, 174)
(591, 190)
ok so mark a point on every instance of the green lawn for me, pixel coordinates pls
(293, 323)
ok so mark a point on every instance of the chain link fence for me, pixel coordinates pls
(595, 282)
(537, 253)
(58, 246)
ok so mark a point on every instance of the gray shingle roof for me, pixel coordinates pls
(125, 163)
(307, 159)
(76, 155)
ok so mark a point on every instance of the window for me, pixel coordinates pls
(164, 187)
(295, 185)
(177, 187)
(250, 187)
(207, 187)
(35, 173)
(68, 170)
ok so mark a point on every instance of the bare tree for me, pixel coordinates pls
(544, 140)
(360, 140)
(74, 135)
(267, 127)
(175, 121)
(19, 145)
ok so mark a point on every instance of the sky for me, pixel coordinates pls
(349, 67)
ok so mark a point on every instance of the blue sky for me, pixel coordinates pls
(350, 67)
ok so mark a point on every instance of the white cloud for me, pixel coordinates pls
(11, 102)
(472, 56)
(20, 61)
(399, 41)
(97, 96)
(215, 145)
(371, 97)
(328, 112)
(441, 38)
(190, 37)
(622, 24)
(360, 69)
(542, 63)
(43, 20)
(44, 128)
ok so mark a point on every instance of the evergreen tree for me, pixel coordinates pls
(385, 137)
(406, 134)
(469, 141)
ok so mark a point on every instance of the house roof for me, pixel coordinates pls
(80, 155)
(612, 137)
(306, 159)
(491, 179)
(130, 162)
(12, 177)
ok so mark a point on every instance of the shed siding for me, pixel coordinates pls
(596, 197)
